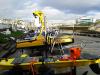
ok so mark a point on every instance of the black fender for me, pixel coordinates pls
(85, 73)
(95, 68)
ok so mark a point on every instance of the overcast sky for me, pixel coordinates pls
(53, 9)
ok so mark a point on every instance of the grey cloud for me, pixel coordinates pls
(75, 6)
(8, 7)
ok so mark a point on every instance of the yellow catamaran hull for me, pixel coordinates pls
(7, 65)
(40, 41)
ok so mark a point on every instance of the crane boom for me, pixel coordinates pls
(41, 20)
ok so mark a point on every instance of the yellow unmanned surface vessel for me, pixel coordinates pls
(42, 40)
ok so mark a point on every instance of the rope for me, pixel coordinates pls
(57, 41)
(74, 62)
(32, 68)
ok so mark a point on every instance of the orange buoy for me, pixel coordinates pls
(75, 53)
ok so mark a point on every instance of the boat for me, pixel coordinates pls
(53, 64)
(39, 39)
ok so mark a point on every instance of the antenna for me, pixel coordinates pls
(73, 30)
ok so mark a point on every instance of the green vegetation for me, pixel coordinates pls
(97, 22)
(4, 38)
(16, 34)
(85, 24)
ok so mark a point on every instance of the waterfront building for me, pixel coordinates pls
(85, 20)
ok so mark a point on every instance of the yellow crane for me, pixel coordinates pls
(41, 20)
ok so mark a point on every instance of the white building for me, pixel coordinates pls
(84, 19)
(0, 20)
(55, 23)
